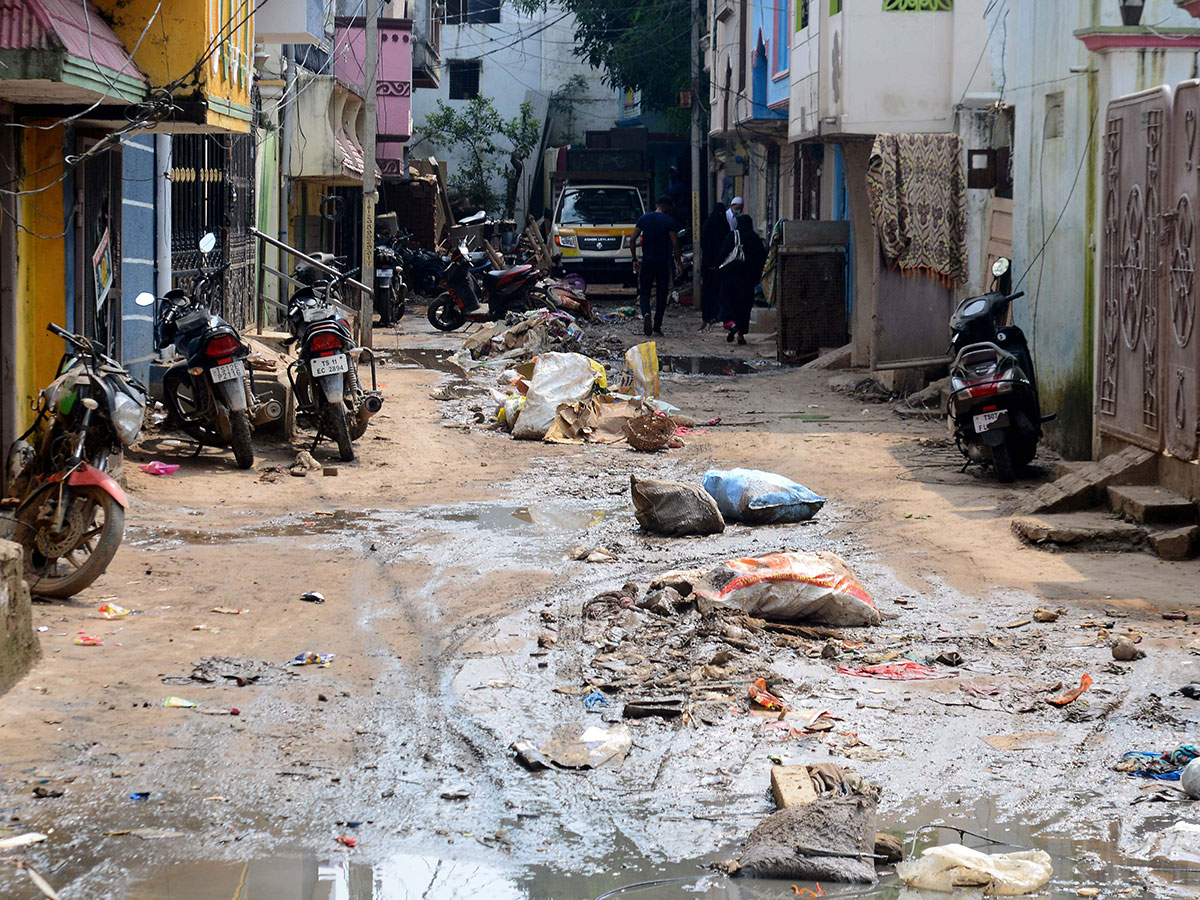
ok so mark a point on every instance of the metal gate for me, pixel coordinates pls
(98, 183)
(212, 189)
(1129, 387)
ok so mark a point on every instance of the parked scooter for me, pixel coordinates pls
(324, 378)
(209, 394)
(390, 290)
(994, 410)
(423, 269)
(70, 516)
(504, 290)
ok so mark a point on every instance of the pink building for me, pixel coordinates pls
(394, 94)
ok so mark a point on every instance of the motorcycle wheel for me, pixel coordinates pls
(183, 406)
(68, 574)
(444, 314)
(339, 429)
(243, 450)
(1002, 462)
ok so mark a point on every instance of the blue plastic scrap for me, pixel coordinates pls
(594, 699)
(760, 498)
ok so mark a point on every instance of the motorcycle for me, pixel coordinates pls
(390, 290)
(504, 290)
(209, 394)
(70, 516)
(422, 268)
(994, 411)
(324, 378)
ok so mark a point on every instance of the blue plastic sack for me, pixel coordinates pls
(760, 498)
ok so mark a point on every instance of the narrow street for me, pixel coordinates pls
(457, 619)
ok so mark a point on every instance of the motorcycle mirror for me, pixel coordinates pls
(1000, 267)
(145, 298)
(208, 242)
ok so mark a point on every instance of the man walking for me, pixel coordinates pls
(659, 241)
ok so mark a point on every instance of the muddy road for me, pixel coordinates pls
(456, 613)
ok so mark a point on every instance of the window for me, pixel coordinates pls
(464, 78)
(801, 14)
(918, 5)
(600, 206)
(471, 12)
(782, 56)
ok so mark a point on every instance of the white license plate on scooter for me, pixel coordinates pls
(227, 372)
(383, 273)
(989, 420)
(328, 365)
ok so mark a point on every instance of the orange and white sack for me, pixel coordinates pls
(791, 587)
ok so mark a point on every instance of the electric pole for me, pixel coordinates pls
(371, 67)
(697, 257)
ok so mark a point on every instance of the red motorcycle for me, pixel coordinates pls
(504, 290)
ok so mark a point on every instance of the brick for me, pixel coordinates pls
(792, 786)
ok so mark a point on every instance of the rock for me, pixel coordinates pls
(1041, 614)
(1178, 543)
(889, 848)
(663, 602)
(1124, 650)
(831, 650)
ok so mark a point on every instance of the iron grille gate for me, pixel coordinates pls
(1149, 355)
(212, 189)
(99, 249)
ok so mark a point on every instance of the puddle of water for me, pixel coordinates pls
(543, 518)
(714, 365)
(320, 522)
(437, 360)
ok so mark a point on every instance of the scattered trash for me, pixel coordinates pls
(22, 840)
(644, 708)
(594, 700)
(329, 471)
(312, 659)
(39, 882)
(1176, 844)
(154, 467)
(112, 611)
(305, 460)
(650, 432)
(557, 378)
(589, 749)
(1124, 650)
(530, 756)
(811, 587)
(140, 795)
(456, 795)
(1063, 699)
(1042, 614)
(760, 498)
(44, 793)
(948, 867)
(639, 377)
(87, 640)
(179, 703)
(901, 670)
(218, 669)
(1175, 616)
(347, 841)
(1160, 766)
(1018, 623)
(592, 554)
(761, 695)
(230, 611)
(673, 508)
(950, 658)
(313, 597)
(1191, 691)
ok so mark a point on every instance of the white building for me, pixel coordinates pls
(489, 49)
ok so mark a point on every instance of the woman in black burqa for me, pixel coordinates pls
(712, 236)
(738, 280)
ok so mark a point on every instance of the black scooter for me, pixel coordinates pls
(994, 410)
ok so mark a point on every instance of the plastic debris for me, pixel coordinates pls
(1063, 699)
(760, 498)
(113, 611)
(22, 840)
(1166, 766)
(347, 841)
(639, 376)
(313, 597)
(530, 756)
(588, 749)
(154, 467)
(140, 795)
(594, 700)
(901, 670)
(312, 659)
(88, 640)
(760, 695)
(179, 703)
(951, 866)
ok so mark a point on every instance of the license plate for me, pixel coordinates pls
(383, 273)
(227, 372)
(328, 365)
(989, 420)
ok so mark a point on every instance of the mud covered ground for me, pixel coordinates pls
(444, 555)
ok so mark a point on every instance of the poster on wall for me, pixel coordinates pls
(102, 269)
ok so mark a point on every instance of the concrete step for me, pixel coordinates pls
(1149, 504)
(1080, 531)
(1085, 487)
(1176, 543)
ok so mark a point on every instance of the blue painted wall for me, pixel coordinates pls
(137, 252)
(768, 25)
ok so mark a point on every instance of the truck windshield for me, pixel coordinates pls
(600, 206)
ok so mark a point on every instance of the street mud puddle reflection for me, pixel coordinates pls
(542, 518)
(715, 365)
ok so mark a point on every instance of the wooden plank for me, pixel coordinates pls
(792, 786)
(493, 255)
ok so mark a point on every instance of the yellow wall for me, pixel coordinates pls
(41, 267)
(185, 31)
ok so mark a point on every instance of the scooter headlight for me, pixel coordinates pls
(127, 417)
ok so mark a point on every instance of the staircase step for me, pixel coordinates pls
(1085, 486)
(1178, 543)
(1080, 531)
(1151, 505)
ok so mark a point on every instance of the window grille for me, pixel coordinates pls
(464, 78)
(918, 5)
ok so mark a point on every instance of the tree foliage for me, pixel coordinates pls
(479, 128)
(640, 45)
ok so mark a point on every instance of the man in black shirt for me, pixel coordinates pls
(659, 241)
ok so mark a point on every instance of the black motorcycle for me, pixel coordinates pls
(423, 269)
(390, 290)
(324, 378)
(209, 394)
(994, 410)
(70, 513)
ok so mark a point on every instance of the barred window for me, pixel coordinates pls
(464, 78)
(918, 5)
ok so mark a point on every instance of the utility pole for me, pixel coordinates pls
(697, 257)
(367, 275)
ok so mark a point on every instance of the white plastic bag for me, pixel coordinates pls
(639, 377)
(951, 866)
(558, 378)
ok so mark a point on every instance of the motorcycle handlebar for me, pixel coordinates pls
(1017, 296)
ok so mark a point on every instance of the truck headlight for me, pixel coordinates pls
(625, 242)
(566, 240)
(127, 416)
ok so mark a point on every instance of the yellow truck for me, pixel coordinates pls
(592, 226)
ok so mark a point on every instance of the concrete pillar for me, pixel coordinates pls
(18, 643)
